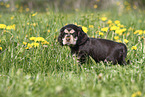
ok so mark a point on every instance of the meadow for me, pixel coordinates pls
(33, 64)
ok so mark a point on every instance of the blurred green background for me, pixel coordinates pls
(70, 5)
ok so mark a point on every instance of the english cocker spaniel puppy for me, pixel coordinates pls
(99, 49)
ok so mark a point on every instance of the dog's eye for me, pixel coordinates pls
(72, 33)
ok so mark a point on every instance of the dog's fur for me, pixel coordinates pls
(99, 49)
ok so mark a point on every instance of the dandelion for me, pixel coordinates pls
(104, 18)
(76, 9)
(138, 31)
(10, 27)
(39, 39)
(130, 29)
(101, 34)
(136, 94)
(114, 28)
(24, 43)
(0, 48)
(12, 17)
(45, 42)
(117, 22)
(34, 14)
(109, 22)
(27, 9)
(48, 31)
(134, 6)
(34, 24)
(35, 44)
(119, 31)
(2, 26)
(95, 6)
(28, 23)
(134, 48)
(116, 37)
(118, 3)
(119, 41)
(8, 5)
(32, 38)
(105, 29)
(85, 29)
(27, 48)
(29, 45)
(144, 31)
(126, 41)
(91, 26)
(0, 41)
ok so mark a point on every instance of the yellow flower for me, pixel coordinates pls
(34, 24)
(24, 43)
(10, 27)
(8, 5)
(35, 44)
(134, 48)
(95, 6)
(136, 94)
(29, 45)
(45, 42)
(109, 22)
(121, 26)
(130, 29)
(48, 31)
(117, 22)
(119, 41)
(119, 31)
(126, 41)
(84, 29)
(76, 9)
(34, 14)
(116, 37)
(39, 39)
(2, 26)
(104, 18)
(105, 29)
(91, 26)
(2, 3)
(114, 28)
(139, 32)
(12, 17)
(144, 31)
(27, 48)
(32, 38)
(101, 34)
(27, 9)
(0, 48)
(0, 41)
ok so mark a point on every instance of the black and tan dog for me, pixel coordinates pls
(99, 49)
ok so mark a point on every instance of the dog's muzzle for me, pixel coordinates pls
(69, 40)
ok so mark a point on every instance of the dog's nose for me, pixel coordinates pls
(67, 38)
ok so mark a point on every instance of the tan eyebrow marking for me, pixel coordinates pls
(66, 31)
(72, 31)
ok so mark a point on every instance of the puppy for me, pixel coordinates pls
(99, 49)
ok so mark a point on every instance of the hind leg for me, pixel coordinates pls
(110, 58)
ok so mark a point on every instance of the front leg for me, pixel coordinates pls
(81, 57)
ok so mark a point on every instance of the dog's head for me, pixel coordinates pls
(72, 35)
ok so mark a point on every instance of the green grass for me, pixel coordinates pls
(50, 71)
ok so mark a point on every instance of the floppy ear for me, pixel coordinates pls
(82, 36)
(60, 36)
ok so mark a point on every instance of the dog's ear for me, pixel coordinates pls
(82, 36)
(60, 36)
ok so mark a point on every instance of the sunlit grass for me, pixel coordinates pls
(47, 69)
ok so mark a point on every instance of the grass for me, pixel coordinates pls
(49, 70)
